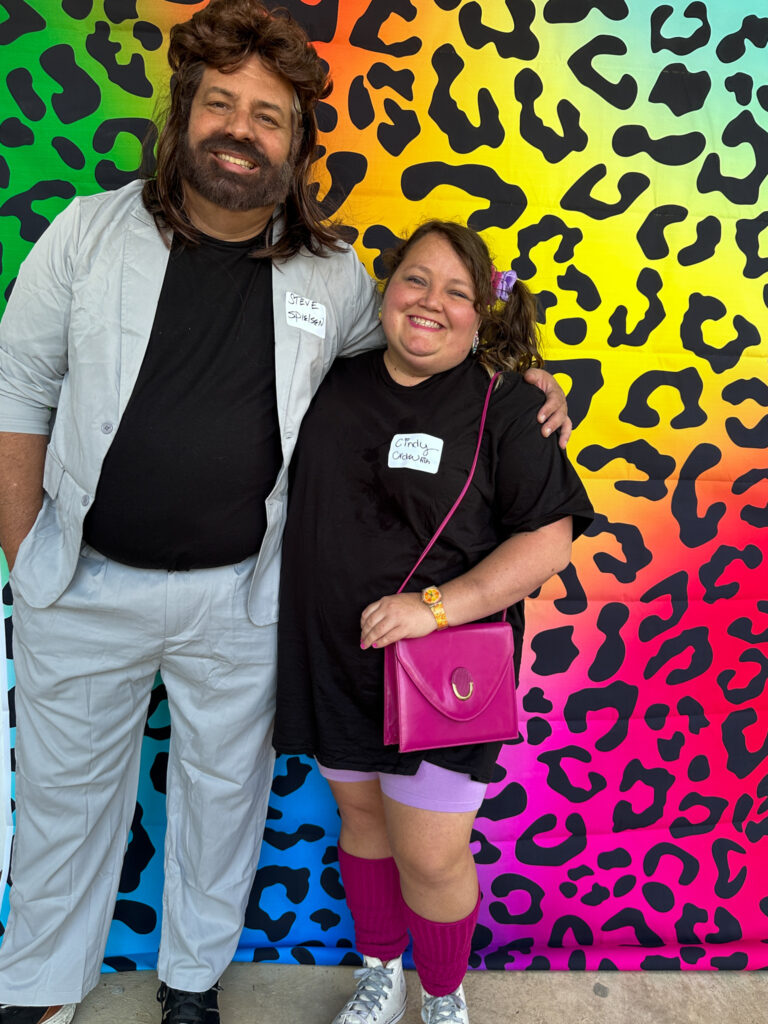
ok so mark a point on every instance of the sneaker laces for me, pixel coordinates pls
(443, 1009)
(371, 990)
(190, 1006)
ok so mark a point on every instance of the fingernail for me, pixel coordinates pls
(546, 431)
(374, 645)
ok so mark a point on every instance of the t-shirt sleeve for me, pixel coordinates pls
(535, 483)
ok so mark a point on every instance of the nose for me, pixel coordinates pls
(430, 297)
(239, 124)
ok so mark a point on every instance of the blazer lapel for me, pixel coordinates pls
(145, 262)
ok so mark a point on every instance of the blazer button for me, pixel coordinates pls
(85, 500)
(107, 428)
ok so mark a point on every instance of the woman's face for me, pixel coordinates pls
(428, 310)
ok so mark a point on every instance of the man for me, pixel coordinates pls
(179, 330)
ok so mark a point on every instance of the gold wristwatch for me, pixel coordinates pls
(431, 596)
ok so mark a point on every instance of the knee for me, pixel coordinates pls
(434, 865)
(362, 818)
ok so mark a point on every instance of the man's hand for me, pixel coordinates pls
(394, 617)
(553, 415)
(22, 457)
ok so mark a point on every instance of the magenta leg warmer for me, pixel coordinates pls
(441, 950)
(376, 904)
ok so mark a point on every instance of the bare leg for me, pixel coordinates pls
(438, 876)
(363, 825)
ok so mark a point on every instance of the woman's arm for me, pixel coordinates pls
(509, 573)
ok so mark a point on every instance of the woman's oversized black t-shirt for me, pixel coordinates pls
(377, 467)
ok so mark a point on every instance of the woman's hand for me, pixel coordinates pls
(394, 617)
(553, 415)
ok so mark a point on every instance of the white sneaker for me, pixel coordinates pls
(450, 1009)
(380, 994)
(37, 1014)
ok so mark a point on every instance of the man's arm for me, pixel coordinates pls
(22, 457)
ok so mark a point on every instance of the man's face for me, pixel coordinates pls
(237, 149)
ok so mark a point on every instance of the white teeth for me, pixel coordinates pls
(423, 322)
(235, 160)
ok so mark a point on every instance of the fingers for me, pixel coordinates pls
(392, 618)
(380, 628)
(565, 432)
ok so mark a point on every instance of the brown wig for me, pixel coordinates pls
(223, 35)
(508, 331)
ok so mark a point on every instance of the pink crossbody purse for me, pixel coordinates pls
(455, 686)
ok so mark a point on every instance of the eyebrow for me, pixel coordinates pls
(463, 281)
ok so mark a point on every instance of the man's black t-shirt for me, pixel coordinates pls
(377, 467)
(198, 448)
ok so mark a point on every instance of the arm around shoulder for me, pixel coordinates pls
(361, 329)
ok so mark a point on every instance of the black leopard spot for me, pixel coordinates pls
(696, 529)
(79, 95)
(463, 136)
(520, 43)
(506, 202)
(649, 284)
(681, 45)
(553, 145)
(681, 90)
(579, 196)
(621, 94)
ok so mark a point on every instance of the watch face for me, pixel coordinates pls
(431, 595)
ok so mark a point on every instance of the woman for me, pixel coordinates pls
(384, 451)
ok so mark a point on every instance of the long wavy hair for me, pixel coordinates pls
(223, 35)
(509, 337)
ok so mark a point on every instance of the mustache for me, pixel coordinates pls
(246, 151)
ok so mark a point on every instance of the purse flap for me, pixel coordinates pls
(459, 670)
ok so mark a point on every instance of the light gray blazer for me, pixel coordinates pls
(72, 341)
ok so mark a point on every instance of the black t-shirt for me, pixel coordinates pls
(376, 469)
(198, 448)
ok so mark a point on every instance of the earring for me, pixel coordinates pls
(379, 312)
(475, 342)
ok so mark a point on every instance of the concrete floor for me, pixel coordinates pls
(282, 994)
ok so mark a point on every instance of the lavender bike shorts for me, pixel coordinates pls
(431, 788)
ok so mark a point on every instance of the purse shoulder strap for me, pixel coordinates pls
(464, 489)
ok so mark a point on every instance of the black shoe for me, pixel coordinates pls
(37, 1014)
(180, 1007)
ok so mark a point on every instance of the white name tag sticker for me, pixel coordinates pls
(306, 314)
(415, 451)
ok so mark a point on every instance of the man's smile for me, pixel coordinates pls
(239, 161)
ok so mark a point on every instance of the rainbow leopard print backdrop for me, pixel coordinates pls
(615, 153)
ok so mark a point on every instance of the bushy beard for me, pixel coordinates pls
(230, 190)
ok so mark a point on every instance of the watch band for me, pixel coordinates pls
(432, 597)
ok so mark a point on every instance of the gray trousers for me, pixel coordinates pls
(84, 671)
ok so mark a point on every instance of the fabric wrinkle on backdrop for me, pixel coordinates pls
(616, 155)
